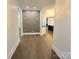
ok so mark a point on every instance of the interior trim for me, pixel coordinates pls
(13, 49)
(58, 52)
(30, 33)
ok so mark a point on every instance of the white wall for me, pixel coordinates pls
(62, 28)
(42, 21)
(12, 28)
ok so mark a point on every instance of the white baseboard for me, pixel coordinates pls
(13, 49)
(62, 55)
(42, 34)
(30, 33)
(58, 52)
(21, 34)
(67, 55)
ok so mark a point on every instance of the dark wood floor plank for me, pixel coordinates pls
(35, 47)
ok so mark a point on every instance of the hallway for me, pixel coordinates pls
(29, 19)
(35, 47)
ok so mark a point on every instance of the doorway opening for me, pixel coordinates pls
(50, 24)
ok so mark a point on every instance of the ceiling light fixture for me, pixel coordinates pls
(27, 7)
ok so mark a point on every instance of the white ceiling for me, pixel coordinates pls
(36, 3)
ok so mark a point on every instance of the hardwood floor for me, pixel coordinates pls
(35, 47)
